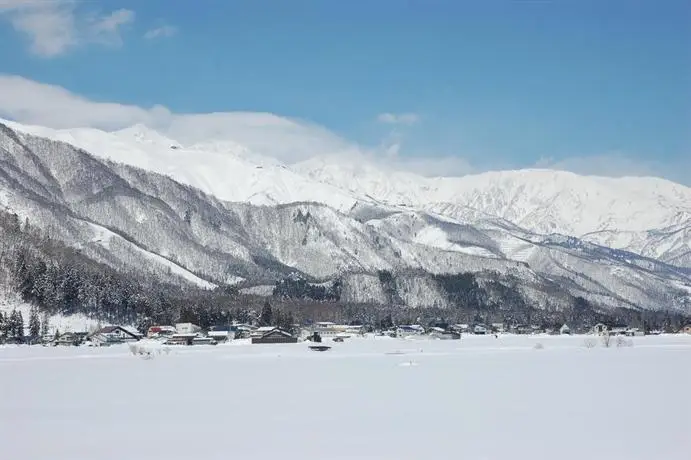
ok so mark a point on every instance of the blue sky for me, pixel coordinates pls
(499, 84)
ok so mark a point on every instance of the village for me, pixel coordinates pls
(189, 334)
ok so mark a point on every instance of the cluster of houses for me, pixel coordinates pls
(191, 334)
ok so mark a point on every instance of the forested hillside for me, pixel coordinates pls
(58, 279)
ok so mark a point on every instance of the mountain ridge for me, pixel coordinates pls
(628, 213)
(69, 190)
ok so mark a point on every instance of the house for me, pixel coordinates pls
(187, 328)
(407, 330)
(618, 330)
(181, 339)
(634, 332)
(565, 330)
(114, 334)
(497, 327)
(480, 329)
(67, 338)
(161, 331)
(221, 333)
(275, 335)
(522, 329)
(260, 331)
(329, 329)
(443, 334)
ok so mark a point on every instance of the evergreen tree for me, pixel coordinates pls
(15, 325)
(34, 323)
(266, 317)
(286, 322)
(45, 325)
(19, 325)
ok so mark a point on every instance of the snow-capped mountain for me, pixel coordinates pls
(542, 201)
(648, 216)
(210, 216)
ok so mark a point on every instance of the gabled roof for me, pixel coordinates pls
(275, 331)
(111, 329)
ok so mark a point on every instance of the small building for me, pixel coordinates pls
(406, 330)
(161, 331)
(187, 328)
(498, 327)
(68, 339)
(618, 330)
(443, 334)
(114, 334)
(260, 331)
(181, 339)
(634, 332)
(221, 333)
(329, 329)
(460, 327)
(565, 330)
(480, 329)
(686, 329)
(275, 335)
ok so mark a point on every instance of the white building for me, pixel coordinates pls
(187, 328)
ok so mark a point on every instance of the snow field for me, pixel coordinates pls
(373, 398)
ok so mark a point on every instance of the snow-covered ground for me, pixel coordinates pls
(477, 398)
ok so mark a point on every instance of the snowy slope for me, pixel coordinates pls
(134, 218)
(541, 201)
(223, 169)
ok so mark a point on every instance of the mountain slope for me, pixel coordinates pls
(137, 220)
(626, 213)
(542, 201)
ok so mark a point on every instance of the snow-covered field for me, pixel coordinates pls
(477, 398)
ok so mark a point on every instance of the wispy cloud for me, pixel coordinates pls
(398, 118)
(53, 27)
(106, 29)
(161, 32)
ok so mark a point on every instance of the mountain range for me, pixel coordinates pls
(216, 213)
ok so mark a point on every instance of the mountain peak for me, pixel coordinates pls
(142, 133)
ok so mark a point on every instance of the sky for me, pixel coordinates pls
(440, 87)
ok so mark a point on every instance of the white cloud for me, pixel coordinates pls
(398, 118)
(289, 140)
(30, 102)
(161, 32)
(53, 27)
(106, 29)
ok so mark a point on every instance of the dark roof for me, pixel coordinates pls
(111, 329)
(277, 331)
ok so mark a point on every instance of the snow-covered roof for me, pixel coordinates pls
(217, 333)
(132, 330)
